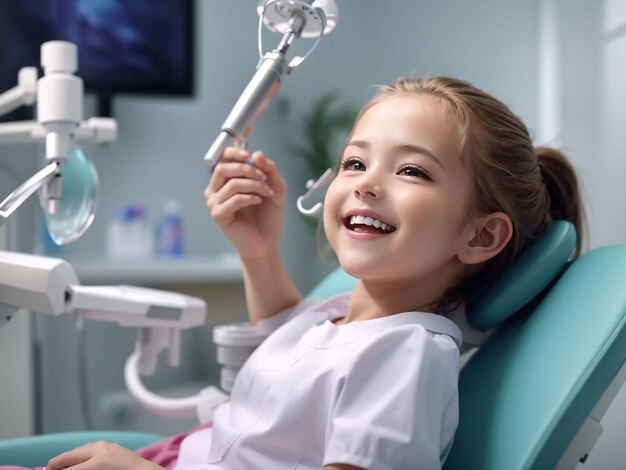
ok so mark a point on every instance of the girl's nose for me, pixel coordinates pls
(367, 188)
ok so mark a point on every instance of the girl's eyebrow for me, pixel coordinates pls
(402, 148)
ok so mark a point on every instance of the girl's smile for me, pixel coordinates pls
(364, 224)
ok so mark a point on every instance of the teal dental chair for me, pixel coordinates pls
(532, 396)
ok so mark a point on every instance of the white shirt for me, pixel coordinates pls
(376, 394)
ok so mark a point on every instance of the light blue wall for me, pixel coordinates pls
(162, 141)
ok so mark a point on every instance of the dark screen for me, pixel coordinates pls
(125, 46)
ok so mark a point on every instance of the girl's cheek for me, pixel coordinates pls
(331, 207)
(329, 199)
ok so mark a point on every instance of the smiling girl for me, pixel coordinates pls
(438, 189)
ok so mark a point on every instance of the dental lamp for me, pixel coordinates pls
(293, 19)
(68, 182)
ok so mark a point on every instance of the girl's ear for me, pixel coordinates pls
(490, 235)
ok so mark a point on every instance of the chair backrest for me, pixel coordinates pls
(525, 394)
(527, 391)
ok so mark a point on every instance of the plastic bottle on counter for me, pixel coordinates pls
(129, 234)
(169, 231)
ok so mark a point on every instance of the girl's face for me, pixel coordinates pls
(397, 209)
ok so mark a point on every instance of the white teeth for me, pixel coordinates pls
(362, 220)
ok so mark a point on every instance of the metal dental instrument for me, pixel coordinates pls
(313, 186)
(32, 184)
(294, 19)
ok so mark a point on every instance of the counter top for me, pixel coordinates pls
(197, 269)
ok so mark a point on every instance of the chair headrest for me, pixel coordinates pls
(540, 263)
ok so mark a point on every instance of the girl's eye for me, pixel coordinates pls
(352, 164)
(412, 170)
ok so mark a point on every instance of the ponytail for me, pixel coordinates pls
(562, 187)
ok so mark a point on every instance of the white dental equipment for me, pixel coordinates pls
(235, 343)
(50, 286)
(294, 19)
(313, 187)
(58, 95)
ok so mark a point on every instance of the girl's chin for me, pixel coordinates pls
(360, 267)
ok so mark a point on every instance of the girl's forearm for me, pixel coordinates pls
(268, 287)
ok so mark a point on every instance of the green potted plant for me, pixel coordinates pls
(324, 130)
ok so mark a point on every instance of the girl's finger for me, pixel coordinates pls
(226, 171)
(234, 154)
(270, 170)
(68, 459)
(241, 186)
(224, 212)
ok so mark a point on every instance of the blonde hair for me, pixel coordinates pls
(532, 186)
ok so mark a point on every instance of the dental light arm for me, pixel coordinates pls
(50, 286)
(160, 315)
(95, 130)
(294, 19)
(23, 94)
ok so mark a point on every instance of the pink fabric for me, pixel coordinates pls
(13, 467)
(163, 452)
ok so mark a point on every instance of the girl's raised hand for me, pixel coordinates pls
(247, 201)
